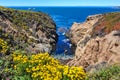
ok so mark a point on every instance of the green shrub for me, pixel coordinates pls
(24, 66)
(3, 46)
(108, 73)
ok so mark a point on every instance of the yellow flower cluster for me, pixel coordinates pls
(43, 67)
(3, 46)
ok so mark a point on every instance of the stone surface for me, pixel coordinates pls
(105, 49)
(79, 31)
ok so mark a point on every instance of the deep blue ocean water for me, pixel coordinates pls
(64, 18)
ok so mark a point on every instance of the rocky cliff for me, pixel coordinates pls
(30, 31)
(79, 30)
(97, 40)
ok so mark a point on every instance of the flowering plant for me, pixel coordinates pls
(43, 67)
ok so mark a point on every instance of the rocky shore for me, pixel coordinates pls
(97, 41)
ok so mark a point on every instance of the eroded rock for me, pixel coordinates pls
(105, 49)
(79, 31)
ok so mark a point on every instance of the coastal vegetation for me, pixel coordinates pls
(22, 18)
(110, 22)
(22, 32)
(3, 46)
(109, 73)
(20, 65)
(26, 66)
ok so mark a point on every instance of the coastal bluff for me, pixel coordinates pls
(26, 30)
(97, 41)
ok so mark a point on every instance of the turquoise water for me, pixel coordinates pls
(64, 18)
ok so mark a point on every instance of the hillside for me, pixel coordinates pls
(30, 31)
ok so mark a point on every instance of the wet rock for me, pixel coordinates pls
(62, 30)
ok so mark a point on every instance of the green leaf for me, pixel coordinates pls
(15, 78)
(1, 62)
(21, 78)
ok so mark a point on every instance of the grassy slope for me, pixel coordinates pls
(108, 73)
(23, 18)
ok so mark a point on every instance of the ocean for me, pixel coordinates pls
(64, 18)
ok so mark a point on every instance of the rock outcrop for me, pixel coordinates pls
(105, 49)
(98, 42)
(30, 31)
(78, 31)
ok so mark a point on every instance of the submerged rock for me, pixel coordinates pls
(62, 30)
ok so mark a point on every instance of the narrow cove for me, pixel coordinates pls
(64, 17)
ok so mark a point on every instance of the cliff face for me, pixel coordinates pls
(95, 25)
(31, 31)
(80, 33)
(97, 40)
(98, 50)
